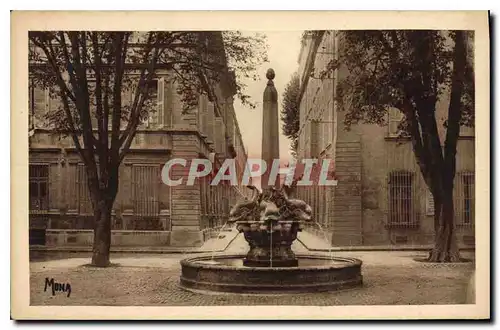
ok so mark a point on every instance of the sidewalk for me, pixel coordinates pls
(231, 242)
(319, 244)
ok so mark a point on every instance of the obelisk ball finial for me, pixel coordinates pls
(270, 74)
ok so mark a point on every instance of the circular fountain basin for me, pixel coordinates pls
(226, 273)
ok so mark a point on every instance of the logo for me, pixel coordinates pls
(308, 172)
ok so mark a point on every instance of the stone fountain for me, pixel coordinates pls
(270, 222)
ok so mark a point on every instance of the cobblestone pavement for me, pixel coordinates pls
(143, 280)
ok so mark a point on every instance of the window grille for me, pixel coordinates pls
(145, 196)
(402, 192)
(464, 202)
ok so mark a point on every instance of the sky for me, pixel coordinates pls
(283, 53)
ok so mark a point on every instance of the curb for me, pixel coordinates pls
(138, 250)
(377, 248)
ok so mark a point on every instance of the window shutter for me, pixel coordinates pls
(41, 105)
(160, 103)
(71, 189)
(395, 117)
(314, 138)
(84, 202)
(169, 103)
(47, 100)
(78, 185)
(30, 107)
(201, 104)
(39, 101)
(128, 97)
(92, 86)
(133, 192)
(204, 115)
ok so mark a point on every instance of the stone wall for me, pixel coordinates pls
(347, 214)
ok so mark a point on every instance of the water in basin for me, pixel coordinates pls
(303, 262)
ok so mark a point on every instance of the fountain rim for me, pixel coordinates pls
(191, 262)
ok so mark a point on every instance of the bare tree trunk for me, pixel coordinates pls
(445, 247)
(103, 204)
(102, 234)
(438, 206)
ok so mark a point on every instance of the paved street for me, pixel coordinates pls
(137, 279)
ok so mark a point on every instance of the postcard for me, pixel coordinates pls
(212, 165)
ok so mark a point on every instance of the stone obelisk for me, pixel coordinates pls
(270, 132)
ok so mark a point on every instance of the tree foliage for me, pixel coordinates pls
(290, 112)
(387, 68)
(196, 59)
(410, 71)
(88, 73)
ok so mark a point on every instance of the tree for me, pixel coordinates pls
(290, 113)
(88, 72)
(410, 70)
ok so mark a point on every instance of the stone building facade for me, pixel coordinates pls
(380, 198)
(146, 211)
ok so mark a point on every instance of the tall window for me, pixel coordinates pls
(39, 187)
(156, 89)
(39, 103)
(145, 195)
(401, 195)
(152, 117)
(31, 104)
(83, 196)
(395, 117)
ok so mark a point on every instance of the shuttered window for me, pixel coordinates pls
(38, 188)
(160, 103)
(395, 117)
(39, 104)
(84, 201)
(314, 138)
